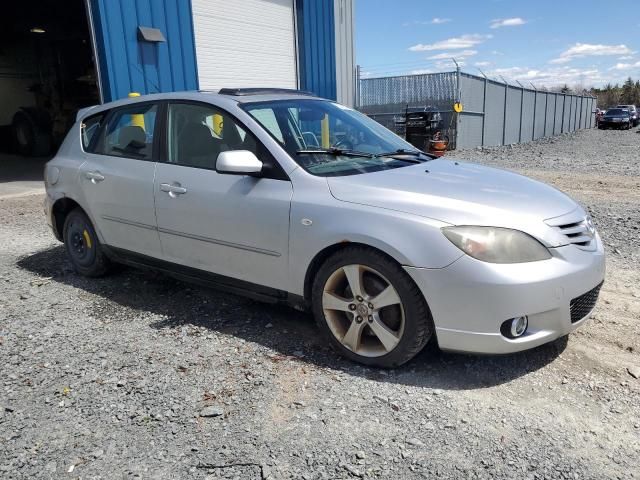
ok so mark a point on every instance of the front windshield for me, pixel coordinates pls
(328, 139)
(617, 111)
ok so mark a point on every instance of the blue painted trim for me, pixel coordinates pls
(128, 65)
(316, 47)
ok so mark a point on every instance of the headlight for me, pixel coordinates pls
(496, 245)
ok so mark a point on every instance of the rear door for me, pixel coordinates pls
(117, 179)
(236, 226)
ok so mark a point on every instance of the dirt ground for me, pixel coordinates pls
(137, 375)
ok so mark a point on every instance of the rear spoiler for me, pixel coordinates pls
(84, 111)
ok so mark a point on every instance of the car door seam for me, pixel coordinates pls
(220, 242)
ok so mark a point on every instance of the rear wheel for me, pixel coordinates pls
(83, 246)
(370, 309)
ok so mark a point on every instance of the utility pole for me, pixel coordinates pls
(356, 100)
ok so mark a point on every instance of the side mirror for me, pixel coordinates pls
(238, 162)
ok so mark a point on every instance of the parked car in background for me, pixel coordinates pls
(290, 198)
(599, 114)
(633, 113)
(616, 118)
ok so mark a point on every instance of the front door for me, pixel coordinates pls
(235, 226)
(117, 179)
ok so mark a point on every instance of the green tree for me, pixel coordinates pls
(627, 95)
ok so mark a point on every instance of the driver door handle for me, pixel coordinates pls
(94, 176)
(173, 190)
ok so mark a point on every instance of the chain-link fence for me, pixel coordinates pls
(389, 100)
(494, 113)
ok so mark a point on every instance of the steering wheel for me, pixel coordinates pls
(344, 144)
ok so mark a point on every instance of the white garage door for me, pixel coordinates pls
(245, 43)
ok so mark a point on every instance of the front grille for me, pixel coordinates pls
(582, 305)
(579, 231)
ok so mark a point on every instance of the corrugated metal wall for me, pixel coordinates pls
(128, 65)
(345, 63)
(526, 115)
(316, 47)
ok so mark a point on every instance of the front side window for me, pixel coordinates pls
(198, 133)
(129, 132)
(327, 139)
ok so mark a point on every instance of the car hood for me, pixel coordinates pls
(460, 193)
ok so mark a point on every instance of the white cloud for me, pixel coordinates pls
(496, 52)
(433, 21)
(482, 64)
(464, 41)
(421, 71)
(590, 50)
(507, 22)
(448, 65)
(552, 77)
(448, 55)
(625, 66)
(626, 57)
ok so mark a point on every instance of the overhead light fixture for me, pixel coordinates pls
(37, 30)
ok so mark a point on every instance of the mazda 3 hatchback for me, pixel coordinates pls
(294, 199)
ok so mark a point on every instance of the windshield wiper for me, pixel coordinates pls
(404, 151)
(338, 152)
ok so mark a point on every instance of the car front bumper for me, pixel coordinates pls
(470, 299)
(609, 123)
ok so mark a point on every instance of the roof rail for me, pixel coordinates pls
(241, 92)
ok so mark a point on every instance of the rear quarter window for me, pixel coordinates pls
(129, 132)
(89, 129)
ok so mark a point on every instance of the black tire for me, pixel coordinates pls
(418, 323)
(82, 245)
(30, 139)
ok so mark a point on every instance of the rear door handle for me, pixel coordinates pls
(94, 176)
(173, 190)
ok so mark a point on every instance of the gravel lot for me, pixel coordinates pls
(138, 375)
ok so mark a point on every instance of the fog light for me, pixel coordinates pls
(515, 327)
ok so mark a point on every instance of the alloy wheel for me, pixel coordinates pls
(363, 310)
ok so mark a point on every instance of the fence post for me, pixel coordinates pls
(555, 112)
(581, 109)
(546, 105)
(504, 113)
(484, 108)
(521, 108)
(535, 108)
(564, 102)
(357, 87)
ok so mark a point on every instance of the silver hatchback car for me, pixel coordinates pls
(295, 199)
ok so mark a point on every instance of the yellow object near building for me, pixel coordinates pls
(217, 124)
(137, 119)
(324, 131)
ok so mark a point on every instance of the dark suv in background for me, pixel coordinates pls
(616, 118)
(633, 113)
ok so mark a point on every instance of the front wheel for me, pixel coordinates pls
(83, 246)
(370, 309)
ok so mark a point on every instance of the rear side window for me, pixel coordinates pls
(129, 132)
(88, 131)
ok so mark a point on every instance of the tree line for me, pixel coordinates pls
(611, 95)
(608, 96)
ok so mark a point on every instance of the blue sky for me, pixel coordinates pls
(578, 42)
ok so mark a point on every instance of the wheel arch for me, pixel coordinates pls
(59, 211)
(322, 255)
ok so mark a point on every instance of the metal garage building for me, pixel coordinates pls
(56, 57)
(219, 43)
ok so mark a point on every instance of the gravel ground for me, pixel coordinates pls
(138, 375)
